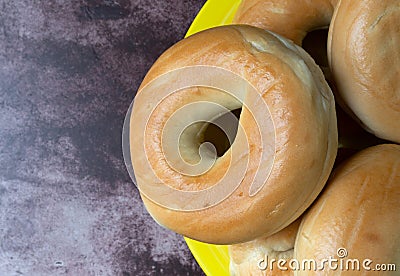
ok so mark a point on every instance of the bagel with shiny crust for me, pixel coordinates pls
(359, 212)
(291, 19)
(302, 135)
(255, 257)
(364, 57)
(363, 51)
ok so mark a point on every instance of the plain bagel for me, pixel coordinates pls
(364, 57)
(291, 19)
(357, 216)
(285, 145)
(363, 50)
(260, 257)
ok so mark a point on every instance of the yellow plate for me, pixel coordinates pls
(214, 13)
(213, 259)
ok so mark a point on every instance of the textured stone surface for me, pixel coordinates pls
(68, 72)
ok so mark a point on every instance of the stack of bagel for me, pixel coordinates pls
(303, 160)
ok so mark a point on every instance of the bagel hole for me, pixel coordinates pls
(215, 135)
(315, 43)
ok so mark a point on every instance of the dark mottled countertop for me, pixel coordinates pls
(68, 72)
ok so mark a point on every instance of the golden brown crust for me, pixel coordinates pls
(359, 211)
(364, 56)
(255, 257)
(363, 51)
(291, 19)
(303, 114)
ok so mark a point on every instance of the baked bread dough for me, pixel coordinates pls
(283, 151)
(358, 215)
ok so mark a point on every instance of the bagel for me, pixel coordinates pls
(256, 257)
(277, 163)
(291, 19)
(357, 216)
(363, 50)
(364, 57)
